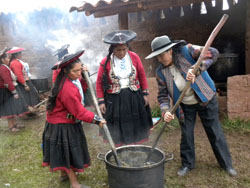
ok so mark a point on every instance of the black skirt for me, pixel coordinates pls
(65, 147)
(128, 120)
(30, 97)
(9, 106)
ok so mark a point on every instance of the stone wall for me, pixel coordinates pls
(238, 100)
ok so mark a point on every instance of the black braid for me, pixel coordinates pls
(60, 79)
(3, 57)
(13, 56)
(105, 76)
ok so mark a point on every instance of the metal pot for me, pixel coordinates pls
(227, 65)
(145, 176)
(41, 84)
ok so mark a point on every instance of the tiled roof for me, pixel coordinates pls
(106, 8)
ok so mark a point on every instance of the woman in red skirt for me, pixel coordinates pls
(64, 142)
(20, 69)
(11, 103)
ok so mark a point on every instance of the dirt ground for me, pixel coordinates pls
(207, 173)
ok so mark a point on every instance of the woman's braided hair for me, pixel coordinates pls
(60, 79)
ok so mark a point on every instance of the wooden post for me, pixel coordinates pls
(123, 20)
(247, 37)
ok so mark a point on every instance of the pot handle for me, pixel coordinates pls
(100, 156)
(169, 157)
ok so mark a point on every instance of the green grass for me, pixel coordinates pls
(237, 124)
(21, 161)
(21, 158)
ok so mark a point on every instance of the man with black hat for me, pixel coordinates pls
(177, 59)
(122, 91)
(60, 53)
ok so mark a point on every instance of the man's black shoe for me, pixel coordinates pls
(183, 171)
(231, 171)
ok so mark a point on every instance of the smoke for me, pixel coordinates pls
(45, 26)
(26, 6)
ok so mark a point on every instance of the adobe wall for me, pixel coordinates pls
(248, 39)
(193, 27)
(238, 92)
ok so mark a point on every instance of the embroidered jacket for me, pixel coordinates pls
(68, 106)
(137, 78)
(6, 80)
(203, 86)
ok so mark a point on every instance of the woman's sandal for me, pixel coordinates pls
(64, 178)
(14, 129)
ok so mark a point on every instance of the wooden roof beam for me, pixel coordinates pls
(132, 7)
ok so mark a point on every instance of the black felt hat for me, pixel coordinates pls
(119, 37)
(162, 44)
(67, 59)
(62, 51)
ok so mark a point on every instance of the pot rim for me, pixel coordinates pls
(135, 168)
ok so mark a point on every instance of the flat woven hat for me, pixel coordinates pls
(15, 50)
(119, 37)
(62, 51)
(67, 59)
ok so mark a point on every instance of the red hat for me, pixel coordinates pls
(15, 50)
(67, 59)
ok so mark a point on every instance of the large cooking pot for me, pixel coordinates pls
(227, 65)
(132, 175)
(41, 84)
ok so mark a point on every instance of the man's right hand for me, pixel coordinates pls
(102, 108)
(168, 117)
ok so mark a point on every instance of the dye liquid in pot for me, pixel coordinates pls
(132, 159)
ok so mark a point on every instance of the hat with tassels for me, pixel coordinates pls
(119, 37)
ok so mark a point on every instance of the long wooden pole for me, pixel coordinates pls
(105, 128)
(195, 69)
